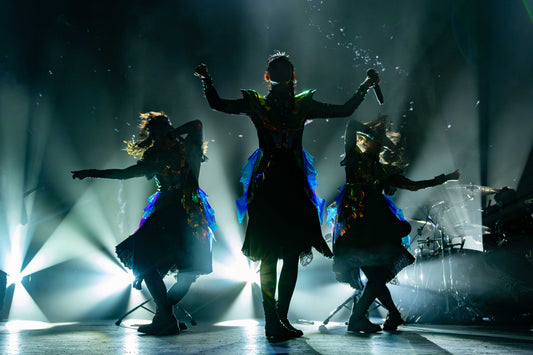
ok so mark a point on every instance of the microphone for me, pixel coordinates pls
(372, 74)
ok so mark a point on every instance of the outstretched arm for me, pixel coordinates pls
(405, 183)
(239, 106)
(121, 174)
(324, 110)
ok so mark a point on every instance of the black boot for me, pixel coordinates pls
(359, 322)
(275, 331)
(283, 310)
(394, 319)
(163, 323)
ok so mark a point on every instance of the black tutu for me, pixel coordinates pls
(166, 242)
(282, 217)
(373, 239)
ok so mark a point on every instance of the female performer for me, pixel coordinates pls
(176, 230)
(279, 182)
(367, 233)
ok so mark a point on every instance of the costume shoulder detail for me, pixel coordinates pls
(250, 94)
(253, 98)
(308, 94)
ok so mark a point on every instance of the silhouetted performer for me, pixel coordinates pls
(367, 232)
(279, 182)
(176, 230)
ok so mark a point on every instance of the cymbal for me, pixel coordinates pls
(471, 228)
(482, 190)
(419, 222)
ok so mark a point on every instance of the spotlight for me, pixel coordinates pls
(251, 274)
(14, 278)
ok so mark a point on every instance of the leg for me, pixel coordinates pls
(184, 280)
(287, 283)
(358, 319)
(274, 330)
(394, 318)
(164, 322)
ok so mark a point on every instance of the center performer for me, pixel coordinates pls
(279, 179)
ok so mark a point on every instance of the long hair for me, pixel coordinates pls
(137, 148)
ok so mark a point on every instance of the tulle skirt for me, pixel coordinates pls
(166, 241)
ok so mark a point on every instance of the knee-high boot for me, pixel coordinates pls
(358, 321)
(164, 322)
(287, 282)
(275, 331)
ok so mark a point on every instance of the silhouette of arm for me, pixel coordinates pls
(239, 106)
(119, 174)
(405, 183)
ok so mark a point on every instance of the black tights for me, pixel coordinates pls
(158, 290)
(184, 280)
(287, 279)
(375, 288)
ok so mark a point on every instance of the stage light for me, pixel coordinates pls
(14, 279)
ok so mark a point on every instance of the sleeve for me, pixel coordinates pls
(405, 183)
(316, 109)
(138, 170)
(239, 106)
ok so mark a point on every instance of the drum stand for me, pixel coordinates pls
(175, 309)
(352, 299)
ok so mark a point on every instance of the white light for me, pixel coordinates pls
(237, 323)
(14, 279)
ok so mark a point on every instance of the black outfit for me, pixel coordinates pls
(175, 231)
(176, 235)
(283, 217)
(367, 234)
(281, 203)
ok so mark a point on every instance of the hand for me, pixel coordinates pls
(453, 176)
(371, 79)
(82, 174)
(201, 72)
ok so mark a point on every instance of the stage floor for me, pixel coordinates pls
(247, 337)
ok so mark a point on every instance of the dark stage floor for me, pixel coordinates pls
(246, 337)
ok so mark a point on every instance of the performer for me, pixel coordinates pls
(366, 231)
(279, 182)
(176, 231)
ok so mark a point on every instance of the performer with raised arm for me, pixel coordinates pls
(367, 230)
(279, 181)
(176, 231)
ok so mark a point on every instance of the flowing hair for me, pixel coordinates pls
(137, 148)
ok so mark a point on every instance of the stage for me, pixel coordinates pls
(247, 337)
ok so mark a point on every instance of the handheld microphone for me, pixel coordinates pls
(372, 74)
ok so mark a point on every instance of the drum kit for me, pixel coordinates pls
(446, 228)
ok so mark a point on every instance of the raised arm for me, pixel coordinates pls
(193, 129)
(120, 174)
(405, 183)
(239, 106)
(323, 110)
